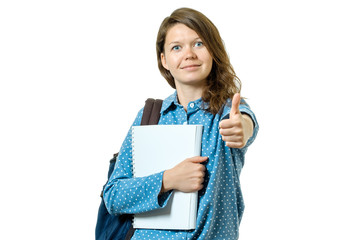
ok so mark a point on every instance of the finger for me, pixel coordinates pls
(199, 174)
(235, 144)
(232, 138)
(235, 105)
(226, 123)
(231, 131)
(198, 159)
(198, 187)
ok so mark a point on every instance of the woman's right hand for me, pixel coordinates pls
(187, 176)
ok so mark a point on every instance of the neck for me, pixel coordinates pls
(188, 94)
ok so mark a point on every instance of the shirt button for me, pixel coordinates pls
(191, 105)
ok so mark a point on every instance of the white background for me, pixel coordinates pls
(74, 74)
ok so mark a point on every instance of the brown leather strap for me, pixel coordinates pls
(151, 113)
(155, 113)
(147, 111)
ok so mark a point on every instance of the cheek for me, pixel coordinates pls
(173, 61)
(206, 58)
(209, 63)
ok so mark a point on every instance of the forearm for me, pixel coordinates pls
(133, 195)
(248, 126)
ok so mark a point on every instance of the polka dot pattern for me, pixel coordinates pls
(220, 203)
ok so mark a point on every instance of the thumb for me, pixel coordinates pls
(198, 159)
(235, 105)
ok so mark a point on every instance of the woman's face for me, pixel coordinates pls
(186, 57)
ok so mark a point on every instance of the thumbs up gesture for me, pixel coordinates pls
(236, 130)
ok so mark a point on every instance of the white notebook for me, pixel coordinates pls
(157, 148)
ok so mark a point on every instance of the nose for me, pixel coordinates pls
(189, 53)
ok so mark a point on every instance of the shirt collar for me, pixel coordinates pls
(168, 102)
(172, 100)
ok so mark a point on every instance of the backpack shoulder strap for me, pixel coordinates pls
(151, 113)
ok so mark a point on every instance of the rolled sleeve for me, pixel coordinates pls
(135, 195)
(246, 110)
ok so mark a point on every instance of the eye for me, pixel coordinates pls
(199, 44)
(176, 48)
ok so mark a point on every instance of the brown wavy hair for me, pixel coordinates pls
(222, 82)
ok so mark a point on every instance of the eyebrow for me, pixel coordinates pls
(177, 42)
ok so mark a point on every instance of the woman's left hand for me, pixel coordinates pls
(236, 130)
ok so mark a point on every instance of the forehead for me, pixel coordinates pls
(180, 32)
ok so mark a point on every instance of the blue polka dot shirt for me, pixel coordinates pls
(220, 203)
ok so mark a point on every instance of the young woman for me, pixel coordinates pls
(192, 58)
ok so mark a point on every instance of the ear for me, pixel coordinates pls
(163, 61)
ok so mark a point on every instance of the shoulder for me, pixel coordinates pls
(138, 118)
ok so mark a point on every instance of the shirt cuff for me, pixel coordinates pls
(256, 126)
(163, 198)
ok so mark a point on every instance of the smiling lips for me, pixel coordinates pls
(190, 67)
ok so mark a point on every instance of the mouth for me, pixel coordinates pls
(192, 66)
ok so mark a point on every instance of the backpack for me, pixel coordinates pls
(111, 227)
